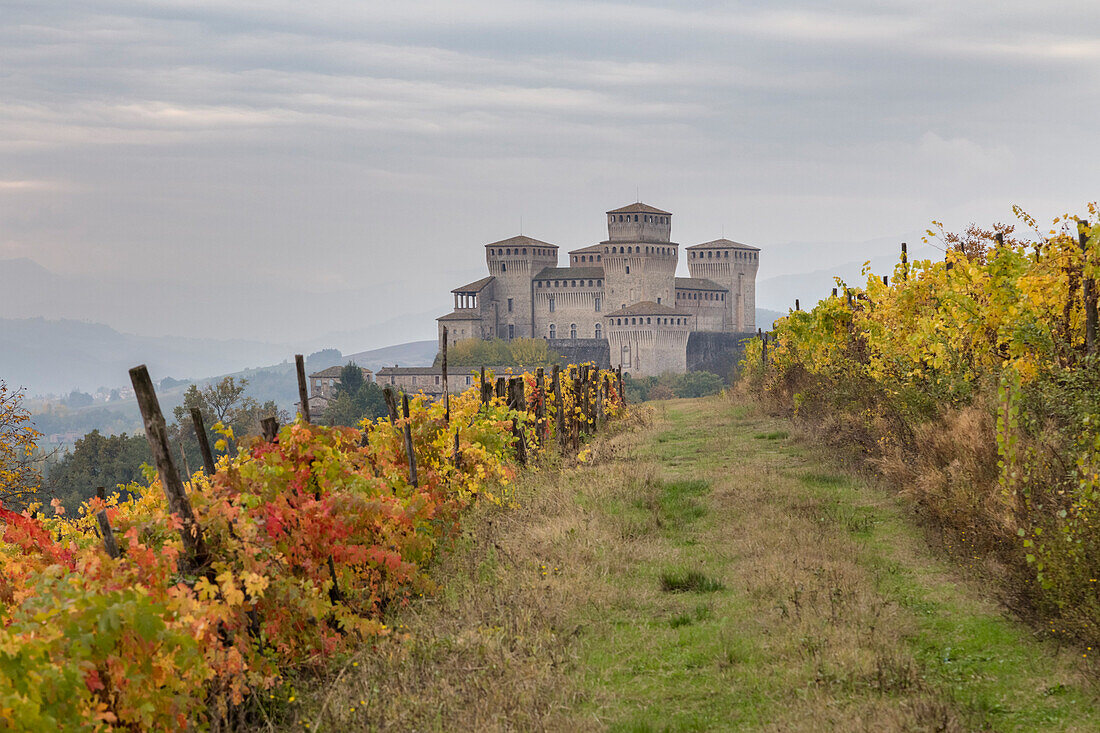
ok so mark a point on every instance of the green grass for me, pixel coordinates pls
(690, 581)
(842, 618)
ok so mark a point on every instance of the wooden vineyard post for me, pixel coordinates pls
(574, 421)
(559, 408)
(156, 432)
(540, 406)
(619, 377)
(484, 390)
(796, 307)
(904, 261)
(186, 465)
(303, 392)
(834, 292)
(446, 387)
(1088, 292)
(391, 403)
(502, 387)
(109, 542)
(269, 427)
(409, 440)
(764, 349)
(204, 444)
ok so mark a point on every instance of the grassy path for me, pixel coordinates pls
(703, 572)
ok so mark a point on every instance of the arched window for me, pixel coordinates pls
(503, 267)
(524, 250)
(572, 283)
(508, 251)
(599, 331)
(553, 331)
(648, 321)
(620, 217)
(572, 330)
(635, 217)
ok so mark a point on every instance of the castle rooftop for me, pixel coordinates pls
(586, 250)
(476, 286)
(521, 240)
(639, 208)
(463, 314)
(723, 244)
(697, 283)
(566, 273)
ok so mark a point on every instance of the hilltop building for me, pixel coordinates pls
(621, 294)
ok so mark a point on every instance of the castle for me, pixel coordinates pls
(622, 292)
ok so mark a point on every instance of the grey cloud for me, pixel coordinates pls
(341, 145)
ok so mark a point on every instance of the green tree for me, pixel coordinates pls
(19, 459)
(697, 384)
(96, 460)
(351, 379)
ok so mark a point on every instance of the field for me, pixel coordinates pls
(704, 570)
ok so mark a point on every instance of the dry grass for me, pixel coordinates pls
(496, 648)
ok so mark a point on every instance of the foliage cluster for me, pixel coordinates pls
(522, 353)
(970, 381)
(310, 537)
(667, 386)
(19, 476)
(355, 399)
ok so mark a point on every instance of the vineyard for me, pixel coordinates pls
(180, 604)
(973, 384)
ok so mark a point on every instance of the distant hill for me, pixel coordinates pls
(779, 293)
(62, 355)
(277, 382)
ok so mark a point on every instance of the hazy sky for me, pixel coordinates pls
(348, 144)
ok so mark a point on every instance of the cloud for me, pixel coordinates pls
(346, 144)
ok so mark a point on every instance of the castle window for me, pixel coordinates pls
(589, 283)
(573, 283)
(625, 357)
(658, 300)
(727, 254)
(553, 331)
(437, 380)
(605, 250)
(599, 283)
(634, 321)
(572, 330)
(508, 251)
(540, 283)
(635, 217)
(511, 331)
(598, 259)
(524, 250)
(618, 321)
(597, 305)
(469, 381)
(503, 267)
(628, 269)
(620, 217)
(551, 306)
(557, 283)
(509, 305)
(648, 321)
(599, 331)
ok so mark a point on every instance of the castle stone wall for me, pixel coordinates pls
(580, 351)
(718, 353)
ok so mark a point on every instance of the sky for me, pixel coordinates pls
(372, 147)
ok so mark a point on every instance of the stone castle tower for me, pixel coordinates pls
(622, 292)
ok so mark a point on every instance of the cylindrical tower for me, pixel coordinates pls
(639, 260)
